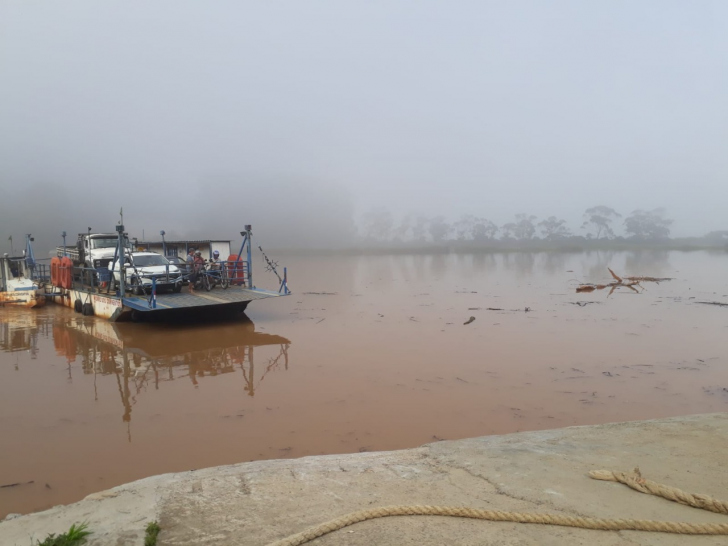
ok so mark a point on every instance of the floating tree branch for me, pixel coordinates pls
(619, 282)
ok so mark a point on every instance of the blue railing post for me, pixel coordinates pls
(153, 295)
(250, 261)
(120, 252)
(284, 283)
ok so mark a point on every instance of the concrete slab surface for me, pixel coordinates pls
(546, 471)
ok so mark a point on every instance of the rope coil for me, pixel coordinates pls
(633, 480)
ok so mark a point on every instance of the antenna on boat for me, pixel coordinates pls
(29, 255)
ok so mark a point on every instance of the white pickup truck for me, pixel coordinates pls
(93, 249)
(141, 267)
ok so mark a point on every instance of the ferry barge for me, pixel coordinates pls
(95, 291)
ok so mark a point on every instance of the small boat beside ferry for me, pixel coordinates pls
(17, 285)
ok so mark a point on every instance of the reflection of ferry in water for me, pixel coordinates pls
(19, 332)
(142, 356)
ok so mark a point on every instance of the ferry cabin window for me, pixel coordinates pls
(172, 251)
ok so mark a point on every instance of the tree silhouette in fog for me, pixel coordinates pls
(522, 229)
(484, 229)
(648, 224)
(380, 228)
(378, 224)
(439, 228)
(553, 229)
(599, 219)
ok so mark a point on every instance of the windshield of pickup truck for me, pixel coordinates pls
(106, 242)
(150, 259)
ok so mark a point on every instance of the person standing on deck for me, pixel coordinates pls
(191, 270)
(198, 264)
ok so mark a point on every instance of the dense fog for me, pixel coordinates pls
(333, 125)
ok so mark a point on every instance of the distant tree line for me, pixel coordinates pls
(599, 224)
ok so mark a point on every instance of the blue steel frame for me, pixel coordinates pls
(29, 256)
(284, 283)
(152, 300)
(247, 236)
(153, 295)
(119, 254)
(35, 271)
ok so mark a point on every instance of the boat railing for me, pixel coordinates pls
(99, 278)
(40, 273)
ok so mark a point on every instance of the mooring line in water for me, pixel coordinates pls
(633, 480)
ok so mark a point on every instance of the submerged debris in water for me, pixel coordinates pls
(619, 282)
(321, 293)
(471, 319)
(16, 484)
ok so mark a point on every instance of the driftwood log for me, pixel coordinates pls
(633, 283)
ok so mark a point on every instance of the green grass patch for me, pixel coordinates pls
(153, 529)
(75, 536)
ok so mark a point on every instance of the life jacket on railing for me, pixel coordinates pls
(236, 269)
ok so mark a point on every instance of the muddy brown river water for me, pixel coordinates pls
(369, 353)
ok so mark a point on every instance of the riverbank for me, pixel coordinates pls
(545, 471)
(498, 246)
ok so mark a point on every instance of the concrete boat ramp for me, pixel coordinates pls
(260, 502)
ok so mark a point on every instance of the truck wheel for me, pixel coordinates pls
(135, 288)
(177, 288)
(78, 305)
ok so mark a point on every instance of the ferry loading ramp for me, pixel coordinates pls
(234, 298)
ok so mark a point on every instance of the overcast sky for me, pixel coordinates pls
(487, 108)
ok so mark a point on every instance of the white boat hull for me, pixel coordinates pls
(23, 298)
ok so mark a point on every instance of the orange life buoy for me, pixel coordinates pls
(55, 265)
(66, 273)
